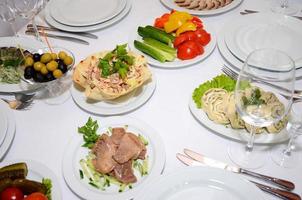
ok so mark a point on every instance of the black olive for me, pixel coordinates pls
(29, 72)
(62, 67)
(36, 57)
(49, 76)
(38, 77)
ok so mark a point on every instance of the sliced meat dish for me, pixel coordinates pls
(117, 134)
(124, 173)
(104, 149)
(130, 148)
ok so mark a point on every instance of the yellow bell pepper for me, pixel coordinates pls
(176, 20)
(183, 16)
(188, 26)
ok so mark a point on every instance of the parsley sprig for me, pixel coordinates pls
(89, 131)
(116, 61)
(255, 98)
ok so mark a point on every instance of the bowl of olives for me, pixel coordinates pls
(48, 65)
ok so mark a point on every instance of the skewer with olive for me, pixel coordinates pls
(47, 66)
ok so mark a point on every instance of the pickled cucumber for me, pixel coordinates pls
(14, 171)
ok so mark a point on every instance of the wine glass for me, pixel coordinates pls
(7, 14)
(288, 156)
(284, 7)
(259, 102)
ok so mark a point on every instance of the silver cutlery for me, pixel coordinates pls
(234, 75)
(218, 164)
(246, 12)
(46, 28)
(63, 37)
(283, 194)
(22, 101)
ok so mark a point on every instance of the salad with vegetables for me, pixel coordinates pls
(116, 157)
(173, 35)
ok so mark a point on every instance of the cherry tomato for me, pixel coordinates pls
(195, 20)
(189, 50)
(189, 35)
(12, 193)
(36, 196)
(203, 37)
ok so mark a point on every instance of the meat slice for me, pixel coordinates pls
(130, 148)
(124, 173)
(104, 149)
(117, 134)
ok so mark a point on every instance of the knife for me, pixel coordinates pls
(214, 163)
(283, 194)
(63, 37)
(46, 28)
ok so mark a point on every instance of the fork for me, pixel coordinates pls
(22, 101)
(246, 12)
(234, 75)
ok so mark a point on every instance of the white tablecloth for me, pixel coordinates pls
(44, 131)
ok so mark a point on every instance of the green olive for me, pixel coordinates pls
(45, 58)
(57, 73)
(52, 65)
(38, 66)
(68, 60)
(29, 61)
(62, 55)
(54, 56)
(44, 70)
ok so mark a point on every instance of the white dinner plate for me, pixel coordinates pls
(121, 105)
(83, 13)
(11, 128)
(105, 24)
(170, 4)
(233, 62)
(27, 43)
(177, 63)
(236, 134)
(251, 32)
(3, 123)
(36, 172)
(195, 183)
(75, 152)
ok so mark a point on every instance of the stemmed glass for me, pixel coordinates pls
(259, 102)
(283, 7)
(287, 156)
(7, 14)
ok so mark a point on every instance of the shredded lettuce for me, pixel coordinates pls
(220, 81)
(47, 183)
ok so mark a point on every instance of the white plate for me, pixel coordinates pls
(236, 134)
(177, 63)
(257, 31)
(233, 62)
(74, 152)
(27, 43)
(11, 128)
(105, 24)
(170, 4)
(83, 13)
(3, 123)
(194, 183)
(124, 104)
(37, 171)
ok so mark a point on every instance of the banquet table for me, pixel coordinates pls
(44, 131)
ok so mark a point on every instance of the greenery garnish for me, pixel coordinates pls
(48, 185)
(255, 98)
(89, 133)
(221, 81)
(116, 61)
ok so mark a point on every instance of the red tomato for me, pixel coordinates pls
(12, 193)
(189, 50)
(186, 36)
(203, 37)
(36, 196)
(160, 22)
(195, 20)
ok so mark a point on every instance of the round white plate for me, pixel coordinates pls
(83, 13)
(236, 134)
(177, 63)
(27, 43)
(105, 24)
(11, 128)
(3, 123)
(170, 4)
(257, 31)
(37, 171)
(75, 152)
(233, 62)
(122, 105)
(194, 183)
